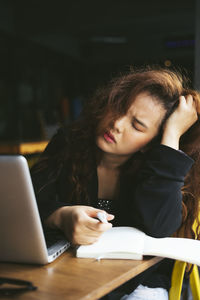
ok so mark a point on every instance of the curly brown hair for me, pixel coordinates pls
(111, 102)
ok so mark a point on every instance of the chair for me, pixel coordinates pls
(177, 281)
(178, 276)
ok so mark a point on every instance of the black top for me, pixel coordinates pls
(150, 201)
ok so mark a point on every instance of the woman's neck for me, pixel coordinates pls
(111, 161)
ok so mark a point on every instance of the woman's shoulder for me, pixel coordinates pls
(59, 139)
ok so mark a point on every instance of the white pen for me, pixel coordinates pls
(102, 217)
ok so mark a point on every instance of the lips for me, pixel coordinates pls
(109, 137)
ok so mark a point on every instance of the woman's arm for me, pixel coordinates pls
(155, 202)
(179, 122)
(157, 198)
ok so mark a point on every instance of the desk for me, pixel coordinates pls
(71, 278)
(23, 148)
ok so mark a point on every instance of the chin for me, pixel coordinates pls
(103, 146)
(100, 143)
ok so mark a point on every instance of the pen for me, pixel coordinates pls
(102, 217)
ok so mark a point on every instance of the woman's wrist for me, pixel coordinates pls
(55, 219)
(171, 140)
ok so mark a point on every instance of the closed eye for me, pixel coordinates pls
(137, 127)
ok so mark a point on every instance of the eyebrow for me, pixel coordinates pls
(140, 122)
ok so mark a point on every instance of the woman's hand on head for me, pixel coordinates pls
(79, 223)
(179, 121)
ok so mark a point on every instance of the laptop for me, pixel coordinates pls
(22, 238)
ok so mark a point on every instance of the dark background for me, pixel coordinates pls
(53, 54)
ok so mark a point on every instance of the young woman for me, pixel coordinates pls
(135, 153)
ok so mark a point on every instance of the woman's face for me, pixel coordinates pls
(133, 131)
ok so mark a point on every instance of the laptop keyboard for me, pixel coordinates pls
(53, 236)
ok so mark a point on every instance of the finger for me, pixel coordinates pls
(92, 212)
(182, 99)
(101, 227)
(187, 102)
(189, 99)
(110, 217)
(182, 102)
(191, 103)
(97, 226)
(92, 223)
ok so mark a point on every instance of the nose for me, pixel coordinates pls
(119, 125)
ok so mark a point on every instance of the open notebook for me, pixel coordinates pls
(131, 243)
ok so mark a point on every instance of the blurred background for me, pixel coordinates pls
(54, 54)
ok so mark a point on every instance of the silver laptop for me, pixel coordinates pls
(21, 234)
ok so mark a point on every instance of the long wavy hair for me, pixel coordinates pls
(79, 151)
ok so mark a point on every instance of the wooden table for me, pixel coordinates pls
(71, 278)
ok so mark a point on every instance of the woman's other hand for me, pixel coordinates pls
(179, 121)
(79, 223)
